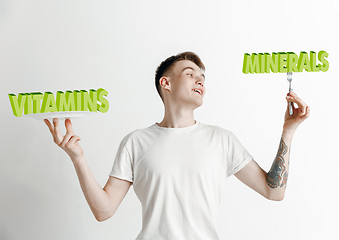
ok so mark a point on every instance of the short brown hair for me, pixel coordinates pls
(166, 65)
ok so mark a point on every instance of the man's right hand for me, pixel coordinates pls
(69, 142)
(103, 202)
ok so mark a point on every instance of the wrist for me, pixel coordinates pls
(288, 133)
(290, 128)
(78, 160)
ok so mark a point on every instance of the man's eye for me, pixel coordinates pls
(190, 74)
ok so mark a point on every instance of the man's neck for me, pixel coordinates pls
(177, 118)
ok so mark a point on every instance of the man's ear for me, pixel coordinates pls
(165, 83)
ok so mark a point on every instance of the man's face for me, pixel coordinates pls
(187, 84)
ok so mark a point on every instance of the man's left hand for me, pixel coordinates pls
(299, 114)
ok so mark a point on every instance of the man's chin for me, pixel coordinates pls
(198, 104)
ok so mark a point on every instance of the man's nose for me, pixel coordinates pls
(200, 82)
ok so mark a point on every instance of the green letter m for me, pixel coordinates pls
(251, 63)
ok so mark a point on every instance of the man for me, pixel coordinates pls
(178, 167)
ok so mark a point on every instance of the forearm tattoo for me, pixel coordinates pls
(278, 174)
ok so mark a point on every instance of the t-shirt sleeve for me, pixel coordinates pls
(238, 156)
(123, 165)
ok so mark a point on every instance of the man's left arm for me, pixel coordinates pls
(272, 184)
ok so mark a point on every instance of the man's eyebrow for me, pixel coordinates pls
(193, 70)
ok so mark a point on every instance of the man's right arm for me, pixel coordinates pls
(103, 202)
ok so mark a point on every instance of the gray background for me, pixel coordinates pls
(117, 45)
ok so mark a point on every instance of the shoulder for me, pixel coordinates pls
(138, 134)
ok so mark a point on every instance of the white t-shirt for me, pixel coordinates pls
(178, 175)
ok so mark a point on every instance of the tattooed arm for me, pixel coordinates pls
(277, 176)
(272, 184)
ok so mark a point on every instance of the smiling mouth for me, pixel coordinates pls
(197, 90)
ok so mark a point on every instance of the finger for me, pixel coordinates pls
(68, 125)
(289, 98)
(57, 134)
(49, 125)
(73, 140)
(307, 114)
(301, 104)
(56, 125)
(66, 139)
(294, 110)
